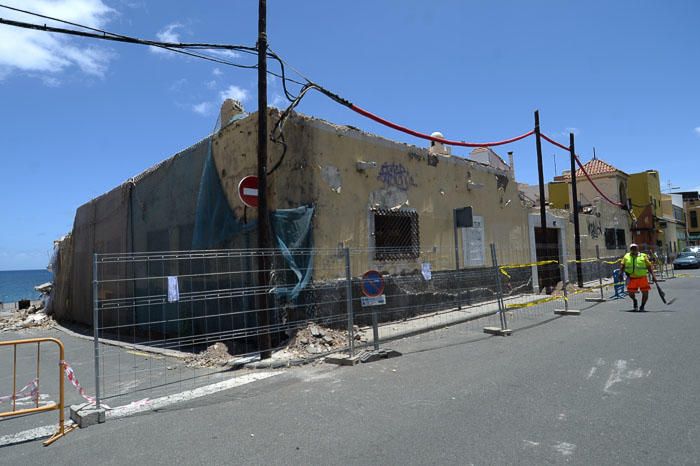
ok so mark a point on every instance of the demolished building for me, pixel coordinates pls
(335, 186)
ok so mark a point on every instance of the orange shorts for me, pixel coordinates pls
(638, 284)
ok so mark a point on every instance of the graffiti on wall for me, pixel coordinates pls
(594, 228)
(395, 175)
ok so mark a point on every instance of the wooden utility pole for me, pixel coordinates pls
(540, 173)
(264, 340)
(575, 210)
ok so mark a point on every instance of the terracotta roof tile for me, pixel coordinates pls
(594, 167)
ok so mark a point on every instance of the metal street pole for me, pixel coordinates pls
(543, 207)
(540, 174)
(264, 340)
(574, 209)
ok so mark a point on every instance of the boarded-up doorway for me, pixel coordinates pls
(548, 275)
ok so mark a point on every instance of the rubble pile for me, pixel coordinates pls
(216, 355)
(559, 289)
(315, 339)
(19, 319)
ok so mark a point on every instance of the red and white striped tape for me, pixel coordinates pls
(31, 389)
(73, 379)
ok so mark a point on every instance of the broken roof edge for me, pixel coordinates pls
(359, 134)
(303, 119)
(141, 175)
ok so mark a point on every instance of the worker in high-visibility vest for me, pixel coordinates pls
(637, 266)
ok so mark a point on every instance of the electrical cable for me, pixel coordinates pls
(279, 125)
(583, 169)
(180, 48)
(174, 47)
(378, 119)
(104, 32)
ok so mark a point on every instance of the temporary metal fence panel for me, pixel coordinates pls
(204, 311)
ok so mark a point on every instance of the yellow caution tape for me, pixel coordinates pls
(520, 266)
(582, 261)
(532, 303)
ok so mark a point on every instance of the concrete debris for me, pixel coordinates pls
(315, 339)
(570, 288)
(31, 317)
(216, 355)
(44, 288)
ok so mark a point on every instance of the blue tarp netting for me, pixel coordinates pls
(216, 227)
(292, 230)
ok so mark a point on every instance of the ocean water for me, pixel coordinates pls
(19, 284)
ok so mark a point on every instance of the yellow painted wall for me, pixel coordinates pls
(320, 168)
(559, 196)
(644, 189)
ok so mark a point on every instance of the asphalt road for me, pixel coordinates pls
(607, 387)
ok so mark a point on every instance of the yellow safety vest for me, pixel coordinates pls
(636, 267)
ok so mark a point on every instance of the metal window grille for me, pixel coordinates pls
(396, 234)
(621, 240)
(610, 238)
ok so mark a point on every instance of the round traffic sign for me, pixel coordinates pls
(372, 284)
(248, 191)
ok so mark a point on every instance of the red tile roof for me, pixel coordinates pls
(594, 167)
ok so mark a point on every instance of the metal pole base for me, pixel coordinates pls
(343, 359)
(62, 431)
(567, 312)
(595, 300)
(362, 356)
(504, 332)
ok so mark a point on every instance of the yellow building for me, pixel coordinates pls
(691, 202)
(602, 223)
(645, 195)
(392, 203)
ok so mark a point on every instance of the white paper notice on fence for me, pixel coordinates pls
(173, 290)
(425, 270)
(473, 243)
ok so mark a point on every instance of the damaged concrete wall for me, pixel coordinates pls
(349, 173)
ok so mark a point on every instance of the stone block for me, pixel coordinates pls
(86, 414)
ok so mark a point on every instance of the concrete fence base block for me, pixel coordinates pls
(343, 359)
(567, 312)
(85, 415)
(498, 331)
(376, 355)
(595, 300)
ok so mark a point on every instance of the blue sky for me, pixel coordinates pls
(81, 116)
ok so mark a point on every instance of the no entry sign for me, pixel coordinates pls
(372, 284)
(248, 191)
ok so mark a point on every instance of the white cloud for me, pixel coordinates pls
(234, 92)
(50, 81)
(168, 34)
(697, 130)
(178, 85)
(211, 84)
(224, 53)
(278, 101)
(203, 108)
(32, 51)
(565, 133)
(217, 72)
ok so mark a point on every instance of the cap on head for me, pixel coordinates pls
(634, 246)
